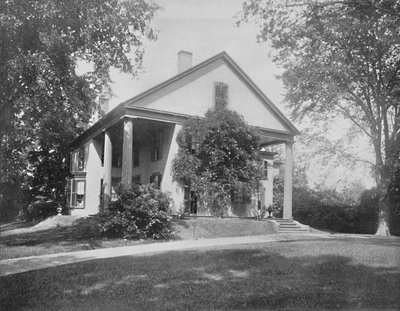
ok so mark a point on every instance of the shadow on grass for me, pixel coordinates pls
(81, 231)
(16, 225)
(246, 278)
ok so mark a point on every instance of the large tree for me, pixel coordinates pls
(341, 57)
(44, 102)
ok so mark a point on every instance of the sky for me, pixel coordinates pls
(205, 28)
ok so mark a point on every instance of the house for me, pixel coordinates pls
(136, 141)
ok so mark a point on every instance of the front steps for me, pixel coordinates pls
(290, 226)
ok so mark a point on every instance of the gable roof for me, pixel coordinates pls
(240, 73)
(120, 110)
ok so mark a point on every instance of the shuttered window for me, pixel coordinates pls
(76, 191)
(221, 94)
(156, 146)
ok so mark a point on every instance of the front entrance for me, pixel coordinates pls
(191, 198)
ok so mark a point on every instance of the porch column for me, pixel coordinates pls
(127, 152)
(107, 169)
(287, 191)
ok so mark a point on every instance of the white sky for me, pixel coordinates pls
(205, 28)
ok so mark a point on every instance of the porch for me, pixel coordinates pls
(138, 145)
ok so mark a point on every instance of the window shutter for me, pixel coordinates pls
(81, 158)
(221, 94)
(73, 192)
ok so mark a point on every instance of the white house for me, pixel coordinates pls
(136, 141)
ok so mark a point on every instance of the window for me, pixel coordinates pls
(156, 180)
(116, 159)
(241, 196)
(265, 170)
(81, 159)
(194, 144)
(78, 160)
(221, 94)
(156, 146)
(102, 150)
(76, 193)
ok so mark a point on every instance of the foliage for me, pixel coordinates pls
(140, 212)
(324, 210)
(277, 197)
(368, 211)
(330, 210)
(43, 101)
(341, 57)
(218, 155)
(41, 209)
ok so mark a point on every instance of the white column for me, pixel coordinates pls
(168, 184)
(287, 191)
(107, 169)
(127, 152)
(93, 178)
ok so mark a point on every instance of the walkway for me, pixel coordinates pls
(19, 265)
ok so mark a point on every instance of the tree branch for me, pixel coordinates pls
(348, 115)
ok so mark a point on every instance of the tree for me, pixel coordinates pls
(341, 57)
(218, 155)
(44, 103)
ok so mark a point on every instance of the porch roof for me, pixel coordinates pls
(268, 136)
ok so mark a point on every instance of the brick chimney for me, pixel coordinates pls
(184, 61)
(104, 103)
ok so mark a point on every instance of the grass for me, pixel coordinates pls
(302, 275)
(85, 235)
(198, 228)
(82, 235)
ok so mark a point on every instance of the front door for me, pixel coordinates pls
(190, 199)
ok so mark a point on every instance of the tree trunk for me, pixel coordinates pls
(383, 187)
(384, 211)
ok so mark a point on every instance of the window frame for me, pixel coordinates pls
(156, 150)
(159, 177)
(72, 192)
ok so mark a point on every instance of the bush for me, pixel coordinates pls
(140, 212)
(368, 211)
(42, 208)
(329, 210)
(324, 210)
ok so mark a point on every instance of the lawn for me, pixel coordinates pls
(336, 273)
(84, 234)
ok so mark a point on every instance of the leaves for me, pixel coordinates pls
(218, 154)
(43, 101)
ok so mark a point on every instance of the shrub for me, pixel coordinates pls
(140, 212)
(324, 210)
(368, 211)
(42, 208)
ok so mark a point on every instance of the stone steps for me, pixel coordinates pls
(290, 226)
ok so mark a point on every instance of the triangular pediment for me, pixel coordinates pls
(192, 93)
